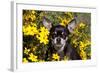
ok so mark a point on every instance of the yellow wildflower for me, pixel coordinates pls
(76, 31)
(25, 17)
(75, 42)
(82, 45)
(31, 16)
(26, 29)
(34, 48)
(65, 21)
(32, 57)
(30, 30)
(56, 57)
(43, 35)
(43, 29)
(82, 25)
(87, 43)
(25, 60)
(33, 12)
(34, 30)
(70, 14)
(26, 51)
(83, 55)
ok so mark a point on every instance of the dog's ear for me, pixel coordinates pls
(71, 25)
(47, 23)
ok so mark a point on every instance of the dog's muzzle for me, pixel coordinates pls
(58, 40)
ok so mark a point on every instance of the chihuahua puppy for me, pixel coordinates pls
(59, 40)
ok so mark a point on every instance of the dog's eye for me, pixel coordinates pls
(55, 33)
(62, 33)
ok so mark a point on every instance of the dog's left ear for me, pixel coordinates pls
(71, 25)
(47, 23)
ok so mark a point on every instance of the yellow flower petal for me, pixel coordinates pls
(56, 57)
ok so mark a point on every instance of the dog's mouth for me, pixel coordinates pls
(58, 43)
(57, 46)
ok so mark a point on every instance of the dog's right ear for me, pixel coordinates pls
(47, 23)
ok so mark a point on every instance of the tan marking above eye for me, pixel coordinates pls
(55, 32)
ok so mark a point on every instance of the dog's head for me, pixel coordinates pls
(59, 34)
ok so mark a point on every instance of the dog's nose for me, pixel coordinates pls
(58, 40)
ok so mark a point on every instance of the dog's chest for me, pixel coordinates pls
(65, 53)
